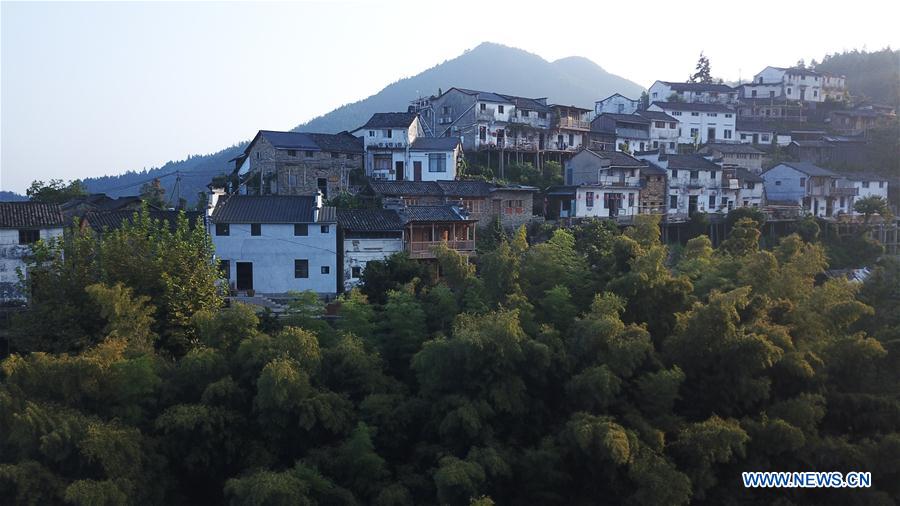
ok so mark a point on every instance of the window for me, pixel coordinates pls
(671, 145)
(301, 229)
(676, 113)
(326, 269)
(842, 201)
(655, 94)
(500, 109)
(257, 155)
(255, 229)
(727, 134)
(673, 201)
(815, 93)
(772, 94)
(222, 229)
(225, 269)
(571, 139)
(483, 106)
(630, 200)
(524, 114)
(695, 114)
(542, 115)
(292, 152)
(301, 268)
(673, 125)
(356, 271)
(482, 133)
(712, 201)
(514, 207)
(712, 114)
(655, 144)
(309, 154)
(621, 108)
(437, 162)
(695, 132)
(728, 115)
(865, 184)
(753, 94)
(765, 138)
(659, 124)
(473, 205)
(881, 184)
(743, 137)
(29, 236)
(334, 155)
(802, 182)
(788, 91)
(371, 133)
(589, 199)
(324, 229)
(674, 173)
(751, 186)
(695, 174)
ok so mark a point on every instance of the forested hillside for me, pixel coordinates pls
(569, 367)
(870, 75)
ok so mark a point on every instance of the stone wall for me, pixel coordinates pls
(654, 195)
(298, 172)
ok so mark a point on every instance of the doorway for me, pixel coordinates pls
(244, 276)
(710, 134)
(417, 171)
(692, 205)
(398, 166)
(322, 184)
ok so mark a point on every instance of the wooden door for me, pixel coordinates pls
(399, 167)
(417, 171)
(244, 276)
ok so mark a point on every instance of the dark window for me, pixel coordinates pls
(500, 109)
(589, 199)
(301, 229)
(389, 133)
(483, 106)
(695, 174)
(712, 201)
(29, 236)
(803, 182)
(777, 183)
(482, 133)
(324, 229)
(334, 155)
(542, 115)
(326, 269)
(865, 184)
(355, 271)
(673, 201)
(222, 229)
(371, 133)
(225, 268)
(292, 152)
(309, 154)
(301, 268)
(674, 173)
(255, 229)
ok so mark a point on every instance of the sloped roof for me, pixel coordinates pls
(733, 148)
(684, 106)
(691, 162)
(618, 158)
(399, 188)
(30, 215)
(390, 119)
(655, 115)
(431, 213)
(465, 188)
(305, 141)
(434, 144)
(745, 175)
(653, 170)
(112, 220)
(327, 214)
(865, 176)
(617, 94)
(486, 96)
(810, 169)
(626, 118)
(265, 209)
(369, 220)
(699, 87)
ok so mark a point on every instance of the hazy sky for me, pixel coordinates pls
(99, 88)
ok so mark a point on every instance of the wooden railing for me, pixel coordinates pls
(422, 249)
(574, 123)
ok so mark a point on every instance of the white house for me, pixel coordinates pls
(795, 83)
(663, 131)
(21, 225)
(276, 243)
(367, 235)
(434, 158)
(761, 132)
(695, 184)
(700, 122)
(742, 188)
(602, 184)
(616, 103)
(866, 185)
(704, 93)
(818, 191)
(387, 137)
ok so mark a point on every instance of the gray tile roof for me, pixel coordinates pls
(653, 170)
(731, 148)
(264, 209)
(434, 144)
(402, 188)
(30, 215)
(112, 220)
(369, 220)
(390, 119)
(699, 87)
(486, 96)
(683, 106)
(431, 213)
(618, 159)
(465, 188)
(810, 169)
(327, 214)
(691, 162)
(656, 115)
(745, 175)
(626, 118)
(304, 141)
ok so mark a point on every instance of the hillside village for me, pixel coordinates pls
(308, 211)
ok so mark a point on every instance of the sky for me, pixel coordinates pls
(90, 89)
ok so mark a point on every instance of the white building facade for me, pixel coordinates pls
(22, 224)
(700, 123)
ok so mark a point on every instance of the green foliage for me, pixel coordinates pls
(589, 366)
(702, 73)
(55, 191)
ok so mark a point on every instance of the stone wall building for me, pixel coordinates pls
(298, 163)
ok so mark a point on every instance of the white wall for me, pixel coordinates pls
(703, 121)
(11, 259)
(358, 252)
(423, 157)
(616, 104)
(597, 210)
(273, 253)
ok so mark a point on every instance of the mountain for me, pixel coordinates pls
(572, 81)
(6, 196)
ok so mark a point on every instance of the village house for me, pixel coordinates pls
(761, 132)
(480, 119)
(273, 244)
(796, 83)
(694, 184)
(778, 109)
(367, 235)
(818, 191)
(694, 93)
(22, 224)
(598, 184)
(98, 202)
(632, 131)
(425, 227)
(569, 127)
(860, 120)
(298, 163)
(735, 155)
(700, 123)
(100, 222)
(484, 202)
(742, 188)
(616, 103)
(387, 137)
(663, 131)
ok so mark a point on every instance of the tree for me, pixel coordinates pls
(55, 191)
(702, 72)
(154, 194)
(873, 204)
(644, 101)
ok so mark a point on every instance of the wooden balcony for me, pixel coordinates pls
(573, 124)
(424, 249)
